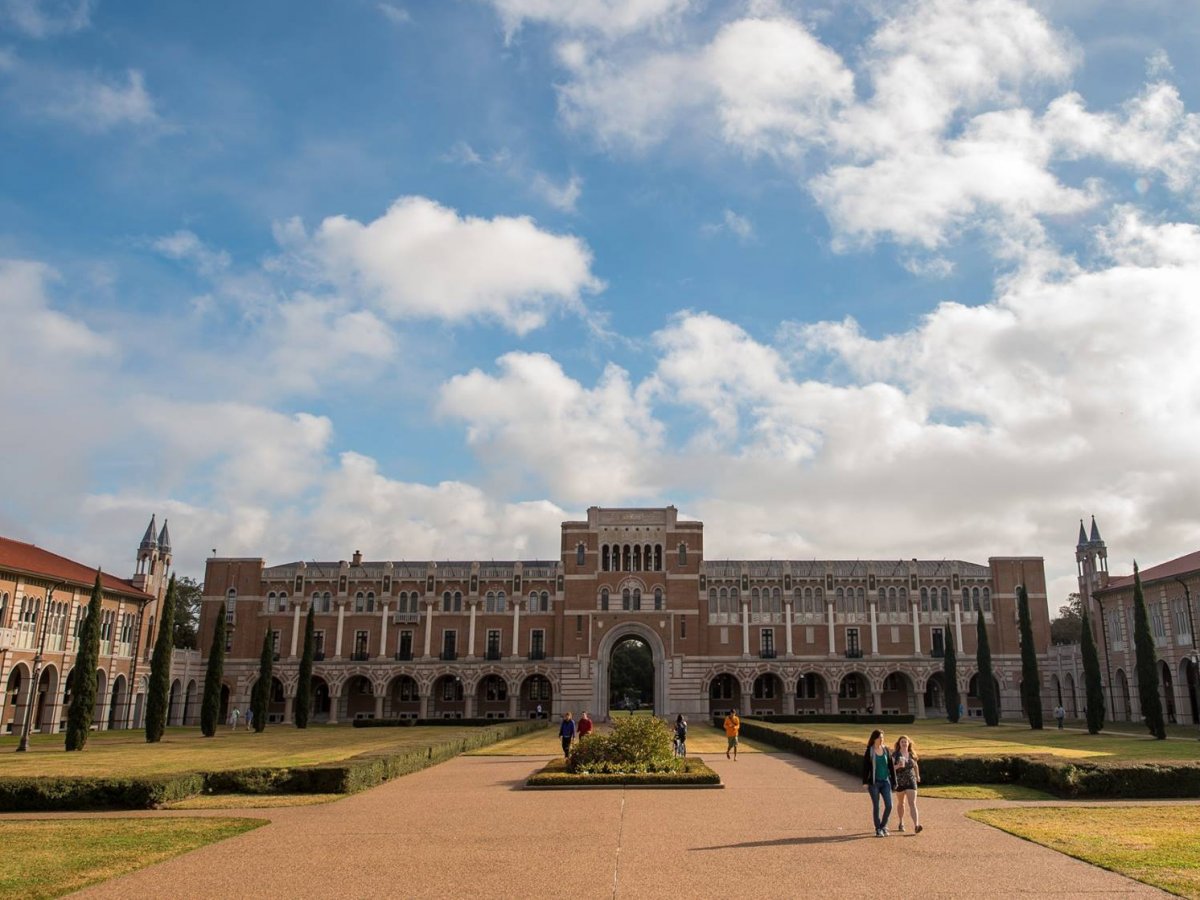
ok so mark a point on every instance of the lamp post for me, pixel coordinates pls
(27, 725)
(1194, 670)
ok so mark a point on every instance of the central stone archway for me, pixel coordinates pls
(608, 644)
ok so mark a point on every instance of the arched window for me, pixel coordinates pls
(271, 602)
(580, 555)
(975, 599)
(683, 554)
(626, 558)
(326, 602)
(924, 599)
(283, 598)
(360, 602)
(735, 600)
(881, 599)
(230, 605)
(945, 599)
(713, 609)
(860, 600)
(446, 601)
(839, 601)
(987, 599)
(637, 598)
(545, 601)
(458, 601)
(604, 558)
(501, 602)
(891, 599)
(903, 599)
(658, 558)
(626, 599)
(604, 599)
(533, 601)
(966, 599)
(776, 601)
(755, 601)
(724, 600)
(637, 557)
(658, 598)
(489, 602)
(819, 600)
(370, 601)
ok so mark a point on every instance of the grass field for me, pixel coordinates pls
(52, 857)
(1154, 844)
(186, 750)
(983, 792)
(252, 801)
(963, 739)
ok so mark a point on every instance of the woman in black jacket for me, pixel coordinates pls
(879, 776)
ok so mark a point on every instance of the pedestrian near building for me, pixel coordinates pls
(1059, 715)
(234, 715)
(584, 728)
(249, 717)
(879, 778)
(680, 735)
(908, 776)
(733, 725)
(566, 731)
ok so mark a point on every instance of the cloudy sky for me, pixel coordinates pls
(842, 278)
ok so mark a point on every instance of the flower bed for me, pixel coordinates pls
(692, 772)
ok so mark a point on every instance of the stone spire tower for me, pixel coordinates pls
(1091, 557)
(153, 560)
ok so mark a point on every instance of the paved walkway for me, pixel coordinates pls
(783, 827)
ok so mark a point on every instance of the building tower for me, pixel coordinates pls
(153, 560)
(1091, 557)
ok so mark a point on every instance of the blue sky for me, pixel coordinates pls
(840, 278)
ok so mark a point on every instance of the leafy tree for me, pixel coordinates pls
(632, 672)
(210, 706)
(950, 676)
(1091, 679)
(1147, 667)
(1067, 628)
(1031, 685)
(187, 613)
(159, 698)
(260, 697)
(304, 688)
(83, 698)
(987, 678)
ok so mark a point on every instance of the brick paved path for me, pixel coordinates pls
(783, 827)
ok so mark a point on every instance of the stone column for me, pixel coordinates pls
(745, 628)
(516, 626)
(337, 646)
(289, 708)
(474, 604)
(383, 628)
(832, 644)
(788, 620)
(379, 706)
(833, 699)
(877, 701)
(424, 704)
(916, 624)
(747, 696)
(920, 697)
(874, 630)
(295, 628)
(429, 613)
(789, 701)
(335, 699)
(512, 703)
(469, 704)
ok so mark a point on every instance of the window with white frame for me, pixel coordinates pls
(1183, 624)
(1156, 621)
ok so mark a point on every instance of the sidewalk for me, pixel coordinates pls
(784, 827)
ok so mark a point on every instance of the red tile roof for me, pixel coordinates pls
(32, 560)
(1183, 565)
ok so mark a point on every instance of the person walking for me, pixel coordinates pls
(908, 776)
(879, 777)
(249, 717)
(1060, 714)
(234, 715)
(584, 728)
(732, 726)
(566, 731)
(680, 735)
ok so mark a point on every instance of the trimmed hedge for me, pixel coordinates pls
(693, 773)
(839, 719)
(1069, 779)
(347, 776)
(406, 723)
(48, 793)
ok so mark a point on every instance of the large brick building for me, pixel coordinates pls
(495, 639)
(1171, 590)
(43, 597)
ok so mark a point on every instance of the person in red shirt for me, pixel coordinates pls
(584, 728)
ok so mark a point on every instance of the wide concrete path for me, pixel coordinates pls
(783, 827)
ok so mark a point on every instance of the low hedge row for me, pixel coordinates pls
(408, 723)
(20, 794)
(839, 719)
(47, 793)
(1070, 779)
(694, 773)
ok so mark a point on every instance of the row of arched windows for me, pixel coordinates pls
(974, 599)
(277, 602)
(631, 558)
(631, 599)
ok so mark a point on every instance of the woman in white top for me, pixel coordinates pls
(908, 776)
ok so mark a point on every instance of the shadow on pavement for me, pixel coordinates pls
(789, 842)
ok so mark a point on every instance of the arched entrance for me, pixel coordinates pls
(276, 703)
(604, 653)
(935, 695)
(320, 699)
(724, 694)
(115, 703)
(811, 694)
(536, 693)
(44, 719)
(1187, 671)
(223, 716)
(404, 694)
(1122, 697)
(99, 712)
(491, 698)
(189, 705)
(631, 675)
(359, 699)
(1168, 692)
(447, 700)
(15, 698)
(174, 704)
(1071, 707)
(854, 694)
(767, 695)
(898, 695)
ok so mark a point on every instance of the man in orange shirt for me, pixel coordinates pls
(732, 726)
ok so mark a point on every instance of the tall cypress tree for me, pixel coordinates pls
(1091, 678)
(83, 691)
(304, 687)
(950, 675)
(1031, 683)
(987, 678)
(260, 697)
(159, 698)
(210, 706)
(1147, 667)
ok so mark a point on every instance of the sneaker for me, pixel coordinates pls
(919, 829)
(885, 831)
(900, 828)
(878, 832)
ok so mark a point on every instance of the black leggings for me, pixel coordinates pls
(566, 746)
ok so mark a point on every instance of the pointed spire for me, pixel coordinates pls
(1095, 538)
(149, 541)
(164, 539)
(1082, 535)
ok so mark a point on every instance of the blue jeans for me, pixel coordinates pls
(881, 789)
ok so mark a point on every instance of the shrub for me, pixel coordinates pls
(210, 706)
(304, 686)
(1147, 668)
(50, 793)
(160, 670)
(83, 692)
(1031, 681)
(1091, 679)
(636, 744)
(880, 719)
(692, 772)
(406, 723)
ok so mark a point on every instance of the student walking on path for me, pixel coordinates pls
(584, 728)
(680, 735)
(908, 776)
(879, 778)
(566, 731)
(234, 715)
(732, 726)
(1060, 714)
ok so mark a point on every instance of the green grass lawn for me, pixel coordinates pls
(52, 857)
(969, 739)
(252, 801)
(1153, 844)
(186, 750)
(983, 792)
